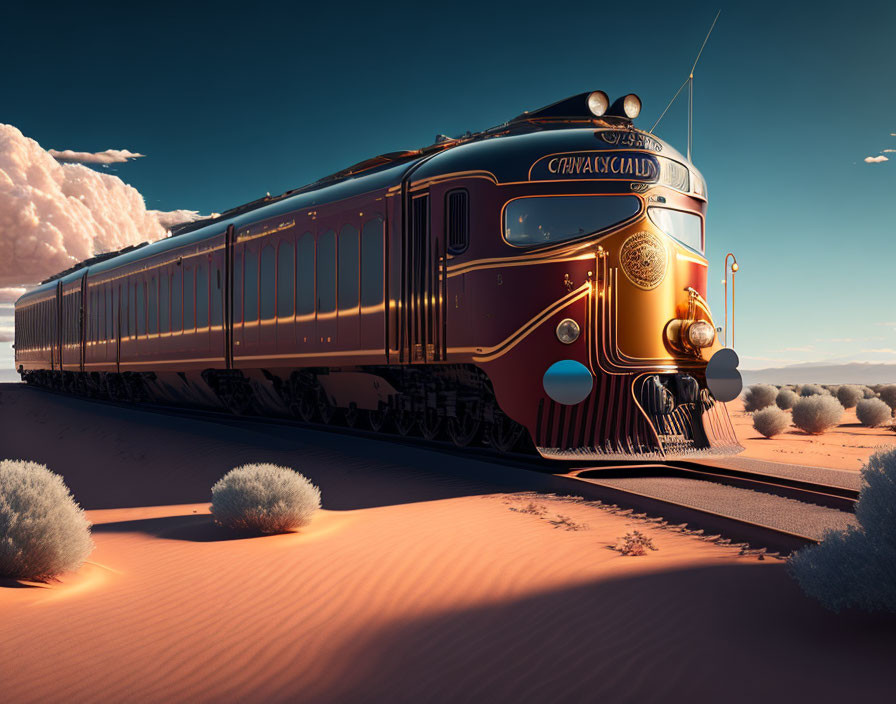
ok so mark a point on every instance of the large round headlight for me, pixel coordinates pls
(700, 334)
(568, 331)
(598, 102)
(631, 105)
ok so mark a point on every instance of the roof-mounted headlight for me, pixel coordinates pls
(628, 106)
(598, 102)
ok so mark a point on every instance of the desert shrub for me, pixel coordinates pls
(771, 421)
(849, 395)
(811, 390)
(876, 388)
(873, 412)
(816, 414)
(634, 543)
(868, 392)
(785, 399)
(759, 396)
(264, 498)
(43, 532)
(857, 567)
(888, 395)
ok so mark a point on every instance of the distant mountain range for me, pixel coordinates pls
(821, 373)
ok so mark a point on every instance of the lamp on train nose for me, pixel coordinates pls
(631, 105)
(568, 331)
(701, 334)
(598, 102)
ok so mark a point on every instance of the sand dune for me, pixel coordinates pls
(425, 579)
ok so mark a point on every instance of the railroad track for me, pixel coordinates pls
(594, 481)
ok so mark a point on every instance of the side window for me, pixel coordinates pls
(110, 325)
(372, 263)
(177, 299)
(457, 221)
(251, 277)
(153, 306)
(189, 300)
(141, 307)
(217, 296)
(326, 272)
(202, 294)
(305, 275)
(267, 280)
(348, 267)
(237, 293)
(164, 303)
(286, 276)
(127, 305)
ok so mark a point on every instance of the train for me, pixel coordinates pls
(537, 286)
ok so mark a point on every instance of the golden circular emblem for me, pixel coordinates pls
(643, 259)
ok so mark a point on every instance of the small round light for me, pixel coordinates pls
(568, 331)
(734, 267)
(701, 334)
(598, 102)
(631, 105)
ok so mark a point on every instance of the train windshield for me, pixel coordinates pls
(548, 219)
(687, 228)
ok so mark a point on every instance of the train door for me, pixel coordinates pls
(422, 305)
(245, 298)
(57, 328)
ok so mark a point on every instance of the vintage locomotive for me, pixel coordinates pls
(541, 283)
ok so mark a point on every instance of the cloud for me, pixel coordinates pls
(54, 215)
(11, 294)
(889, 151)
(875, 159)
(170, 218)
(110, 156)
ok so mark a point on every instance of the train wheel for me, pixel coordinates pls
(503, 433)
(306, 405)
(353, 416)
(377, 420)
(405, 422)
(325, 409)
(430, 424)
(464, 430)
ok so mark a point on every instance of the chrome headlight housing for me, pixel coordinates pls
(568, 331)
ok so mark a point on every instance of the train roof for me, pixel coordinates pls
(505, 151)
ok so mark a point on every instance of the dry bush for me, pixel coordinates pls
(849, 395)
(771, 421)
(759, 396)
(832, 389)
(888, 395)
(816, 414)
(857, 567)
(43, 532)
(785, 399)
(873, 412)
(264, 498)
(812, 390)
(634, 543)
(868, 392)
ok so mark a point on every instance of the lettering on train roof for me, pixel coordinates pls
(624, 166)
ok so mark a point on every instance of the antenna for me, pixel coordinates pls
(689, 82)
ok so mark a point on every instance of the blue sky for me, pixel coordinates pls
(232, 100)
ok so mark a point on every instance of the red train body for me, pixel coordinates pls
(542, 281)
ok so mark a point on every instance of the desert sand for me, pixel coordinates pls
(848, 446)
(425, 578)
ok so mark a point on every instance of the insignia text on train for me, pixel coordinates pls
(614, 165)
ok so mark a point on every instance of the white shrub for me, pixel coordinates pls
(771, 421)
(849, 395)
(264, 498)
(873, 412)
(816, 414)
(43, 532)
(857, 567)
(812, 390)
(759, 396)
(888, 395)
(785, 400)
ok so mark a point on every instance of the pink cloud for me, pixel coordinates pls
(110, 156)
